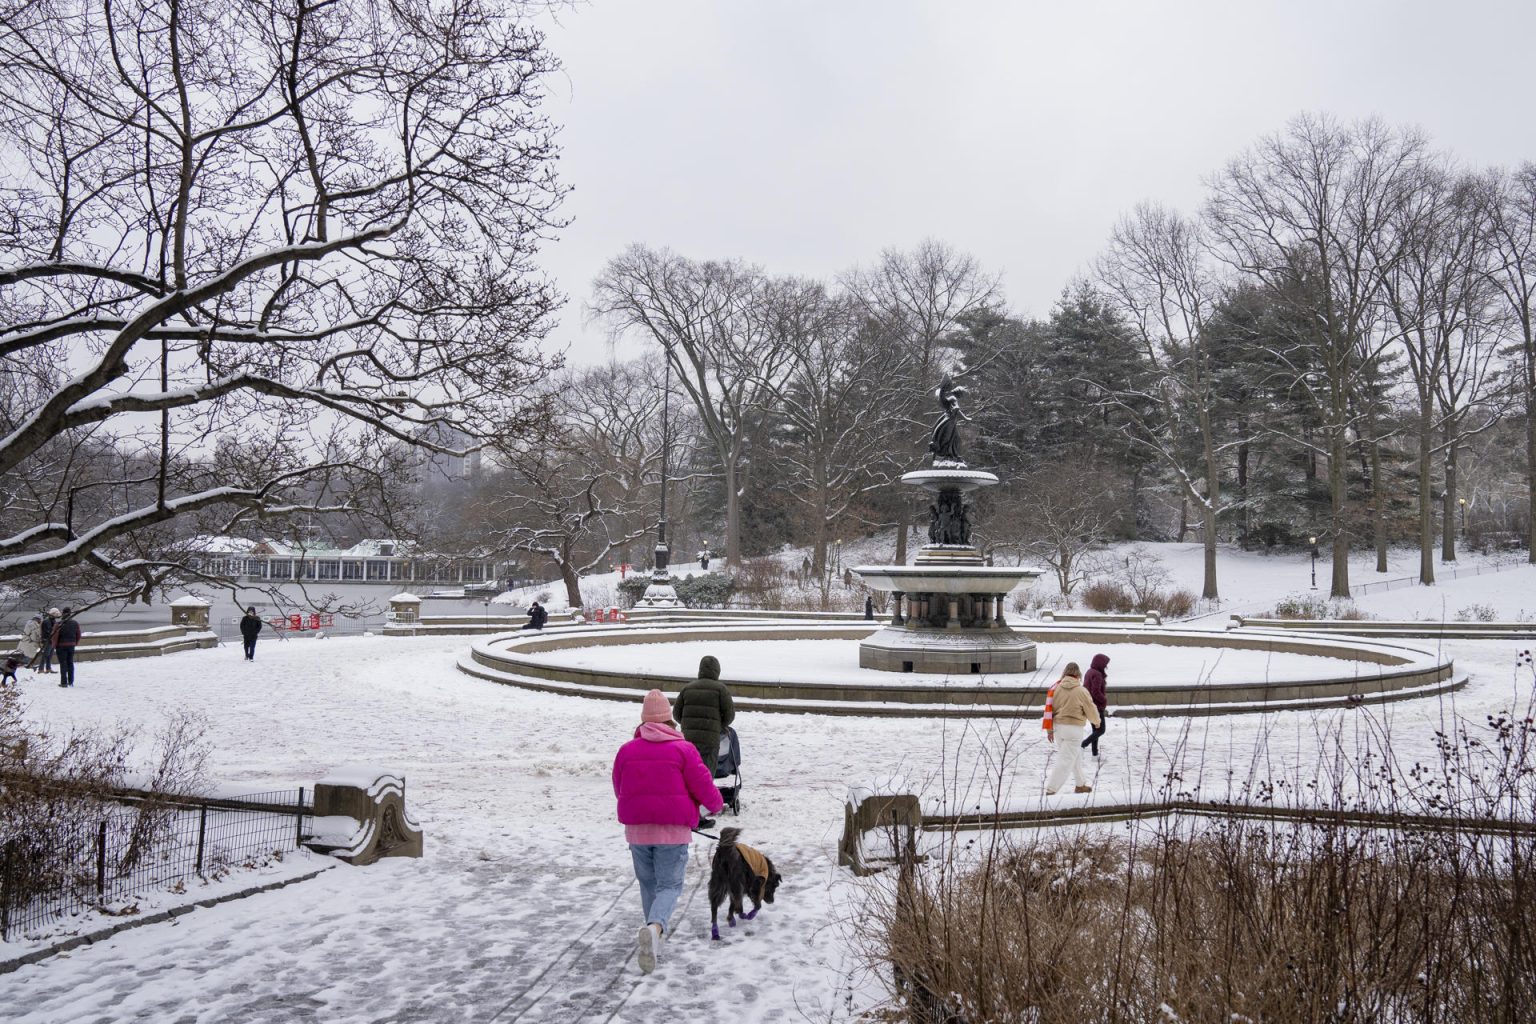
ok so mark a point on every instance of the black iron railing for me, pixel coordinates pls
(102, 860)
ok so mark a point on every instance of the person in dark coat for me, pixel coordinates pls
(1094, 683)
(703, 709)
(537, 616)
(250, 627)
(66, 636)
(45, 656)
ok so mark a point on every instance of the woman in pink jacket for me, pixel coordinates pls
(660, 782)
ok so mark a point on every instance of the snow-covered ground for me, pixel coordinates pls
(524, 908)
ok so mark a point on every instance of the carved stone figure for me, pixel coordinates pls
(945, 445)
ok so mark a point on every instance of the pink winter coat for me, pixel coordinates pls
(660, 779)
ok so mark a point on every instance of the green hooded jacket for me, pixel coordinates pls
(703, 709)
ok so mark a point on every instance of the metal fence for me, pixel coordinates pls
(1441, 573)
(66, 866)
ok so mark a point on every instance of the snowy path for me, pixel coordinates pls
(523, 907)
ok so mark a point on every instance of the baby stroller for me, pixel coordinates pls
(728, 766)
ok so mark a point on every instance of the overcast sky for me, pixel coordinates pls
(808, 136)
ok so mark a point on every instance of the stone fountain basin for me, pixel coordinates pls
(960, 579)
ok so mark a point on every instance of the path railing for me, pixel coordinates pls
(64, 867)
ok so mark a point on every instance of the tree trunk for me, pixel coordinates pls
(1426, 502)
(1380, 507)
(902, 526)
(1448, 510)
(1183, 518)
(1242, 495)
(732, 516)
(1208, 510)
(572, 584)
(1530, 474)
(1337, 483)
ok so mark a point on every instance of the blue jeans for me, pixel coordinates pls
(659, 870)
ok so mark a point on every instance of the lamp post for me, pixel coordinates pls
(1463, 503)
(1313, 542)
(659, 593)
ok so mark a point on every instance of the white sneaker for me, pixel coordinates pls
(647, 943)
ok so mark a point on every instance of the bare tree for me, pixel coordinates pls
(916, 299)
(1512, 213)
(1308, 212)
(1155, 268)
(1055, 518)
(839, 409)
(581, 488)
(306, 227)
(713, 324)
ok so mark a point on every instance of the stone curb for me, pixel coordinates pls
(39, 955)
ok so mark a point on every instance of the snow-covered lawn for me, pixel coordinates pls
(524, 907)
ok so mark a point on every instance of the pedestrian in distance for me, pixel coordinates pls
(537, 616)
(250, 629)
(32, 642)
(704, 709)
(1095, 682)
(1072, 711)
(8, 667)
(50, 622)
(66, 637)
(660, 782)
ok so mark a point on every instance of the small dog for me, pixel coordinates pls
(8, 668)
(738, 870)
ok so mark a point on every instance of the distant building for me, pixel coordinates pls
(368, 561)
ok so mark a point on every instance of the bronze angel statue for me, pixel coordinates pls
(946, 433)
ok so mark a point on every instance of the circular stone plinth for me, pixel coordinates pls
(995, 651)
(817, 672)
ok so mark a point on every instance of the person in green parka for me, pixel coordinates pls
(703, 709)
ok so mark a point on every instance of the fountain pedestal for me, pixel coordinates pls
(948, 607)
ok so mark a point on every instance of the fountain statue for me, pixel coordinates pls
(947, 607)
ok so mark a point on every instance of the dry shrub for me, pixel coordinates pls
(762, 582)
(56, 789)
(1108, 597)
(1230, 917)
(1174, 604)
(1226, 921)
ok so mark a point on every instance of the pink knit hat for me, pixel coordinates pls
(656, 708)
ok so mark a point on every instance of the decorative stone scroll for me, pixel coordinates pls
(360, 816)
(889, 811)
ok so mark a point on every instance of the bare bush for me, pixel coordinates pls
(56, 788)
(1240, 915)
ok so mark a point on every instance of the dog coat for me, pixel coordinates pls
(757, 862)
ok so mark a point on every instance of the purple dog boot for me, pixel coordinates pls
(749, 915)
(714, 932)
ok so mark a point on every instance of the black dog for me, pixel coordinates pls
(738, 870)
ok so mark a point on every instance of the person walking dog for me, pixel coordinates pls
(66, 637)
(704, 709)
(1094, 682)
(250, 628)
(660, 781)
(1071, 710)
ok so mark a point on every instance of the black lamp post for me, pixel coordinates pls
(1313, 542)
(660, 592)
(1463, 502)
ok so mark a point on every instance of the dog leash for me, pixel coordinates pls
(706, 835)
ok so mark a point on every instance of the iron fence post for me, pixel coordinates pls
(7, 888)
(101, 858)
(298, 820)
(202, 832)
